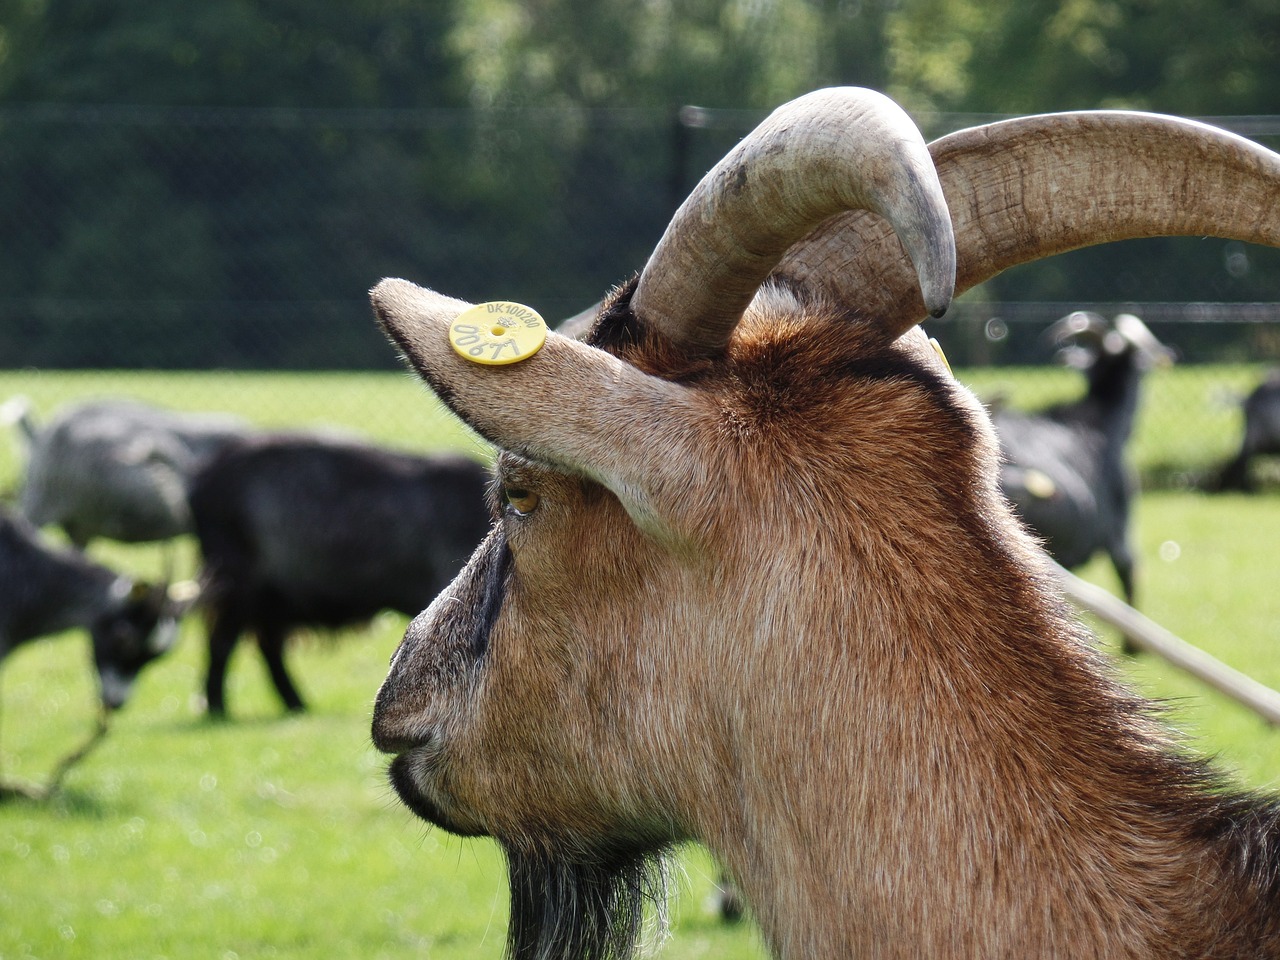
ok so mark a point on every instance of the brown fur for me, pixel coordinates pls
(827, 651)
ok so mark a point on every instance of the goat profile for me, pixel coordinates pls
(752, 582)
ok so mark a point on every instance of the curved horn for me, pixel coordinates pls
(825, 153)
(1024, 189)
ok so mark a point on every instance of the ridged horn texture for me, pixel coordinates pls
(830, 151)
(1024, 189)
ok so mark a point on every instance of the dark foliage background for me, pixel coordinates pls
(217, 186)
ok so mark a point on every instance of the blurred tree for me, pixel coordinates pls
(625, 69)
(1000, 56)
(592, 53)
(277, 53)
(221, 153)
(1172, 56)
(240, 155)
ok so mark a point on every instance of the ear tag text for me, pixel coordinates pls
(498, 333)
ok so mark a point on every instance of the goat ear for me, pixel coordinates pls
(569, 405)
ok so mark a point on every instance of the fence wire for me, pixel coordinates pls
(209, 239)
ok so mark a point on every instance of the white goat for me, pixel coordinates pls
(117, 468)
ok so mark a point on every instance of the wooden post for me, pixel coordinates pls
(1145, 633)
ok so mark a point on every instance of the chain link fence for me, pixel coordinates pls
(244, 240)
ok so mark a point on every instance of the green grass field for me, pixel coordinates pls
(275, 836)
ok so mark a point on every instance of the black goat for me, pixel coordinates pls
(1064, 467)
(313, 531)
(45, 590)
(116, 468)
(1261, 433)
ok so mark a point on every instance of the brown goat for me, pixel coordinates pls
(752, 583)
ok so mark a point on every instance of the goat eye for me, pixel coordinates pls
(521, 502)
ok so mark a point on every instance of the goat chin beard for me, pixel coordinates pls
(570, 900)
(583, 904)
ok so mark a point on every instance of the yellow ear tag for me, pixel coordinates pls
(498, 333)
(937, 348)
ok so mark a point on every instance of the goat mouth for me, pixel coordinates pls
(409, 776)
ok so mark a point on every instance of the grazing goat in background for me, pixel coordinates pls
(45, 590)
(1064, 468)
(818, 639)
(311, 531)
(1261, 433)
(117, 468)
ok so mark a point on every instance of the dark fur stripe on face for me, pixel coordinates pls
(562, 909)
(497, 567)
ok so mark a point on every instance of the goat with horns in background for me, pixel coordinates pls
(1065, 468)
(752, 581)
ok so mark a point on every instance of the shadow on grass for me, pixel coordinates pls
(63, 801)
(207, 723)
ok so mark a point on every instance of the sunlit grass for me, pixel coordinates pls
(1209, 565)
(276, 836)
